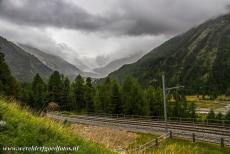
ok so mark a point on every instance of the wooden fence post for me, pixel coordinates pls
(193, 138)
(170, 134)
(157, 143)
(222, 142)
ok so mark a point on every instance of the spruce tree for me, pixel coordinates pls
(97, 100)
(106, 95)
(140, 107)
(66, 94)
(25, 93)
(89, 94)
(8, 85)
(102, 98)
(154, 99)
(211, 115)
(39, 92)
(219, 117)
(127, 95)
(192, 110)
(79, 93)
(133, 98)
(116, 101)
(55, 88)
(227, 117)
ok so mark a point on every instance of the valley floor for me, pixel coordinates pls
(221, 104)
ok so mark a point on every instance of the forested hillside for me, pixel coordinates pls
(53, 62)
(198, 59)
(23, 65)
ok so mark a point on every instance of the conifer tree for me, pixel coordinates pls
(154, 98)
(192, 110)
(25, 93)
(106, 95)
(97, 100)
(8, 85)
(66, 94)
(127, 95)
(39, 92)
(140, 107)
(102, 98)
(133, 98)
(211, 115)
(55, 88)
(227, 117)
(79, 93)
(116, 101)
(219, 116)
(89, 94)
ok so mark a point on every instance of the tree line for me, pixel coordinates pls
(82, 95)
(218, 117)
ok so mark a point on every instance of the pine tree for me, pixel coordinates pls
(211, 115)
(97, 100)
(154, 99)
(133, 98)
(25, 93)
(227, 117)
(176, 109)
(79, 93)
(39, 92)
(89, 94)
(127, 95)
(102, 98)
(116, 101)
(219, 117)
(66, 94)
(106, 95)
(55, 88)
(8, 85)
(139, 104)
(192, 110)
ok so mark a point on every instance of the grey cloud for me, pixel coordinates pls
(55, 13)
(134, 17)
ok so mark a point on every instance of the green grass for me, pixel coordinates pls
(220, 102)
(142, 139)
(25, 129)
(178, 146)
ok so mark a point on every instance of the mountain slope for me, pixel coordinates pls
(116, 64)
(199, 57)
(23, 65)
(53, 62)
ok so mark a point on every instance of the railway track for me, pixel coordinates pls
(150, 126)
(218, 130)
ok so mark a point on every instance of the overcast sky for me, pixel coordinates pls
(87, 29)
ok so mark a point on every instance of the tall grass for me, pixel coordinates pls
(177, 146)
(25, 129)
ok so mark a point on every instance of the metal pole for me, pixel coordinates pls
(165, 104)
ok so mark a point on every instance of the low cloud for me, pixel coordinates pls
(99, 31)
(129, 17)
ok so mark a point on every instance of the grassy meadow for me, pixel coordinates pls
(25, 129)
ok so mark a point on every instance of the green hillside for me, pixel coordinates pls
(24, 129)
(199, 57)
(23, 65)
